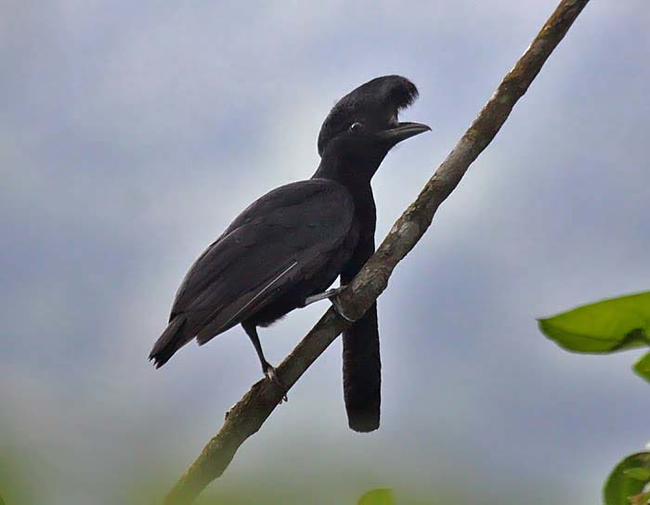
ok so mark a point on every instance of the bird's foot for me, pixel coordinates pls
(272, 375)
(336, 303)
(333, 295)
(321, 296)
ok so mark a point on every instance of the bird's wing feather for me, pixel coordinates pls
(273, 244)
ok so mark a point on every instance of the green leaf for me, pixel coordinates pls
(640, 499)
(602, 327)
(624, 482)
(642, 474)
(642, 367)
(377, 497)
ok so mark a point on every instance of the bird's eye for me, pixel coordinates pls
(355, 127)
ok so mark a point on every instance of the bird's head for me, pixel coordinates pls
(365, 120)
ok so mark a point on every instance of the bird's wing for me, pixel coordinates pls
(278, 240)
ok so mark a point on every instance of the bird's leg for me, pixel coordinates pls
(333, 295)
(267, 369)
(321, 296)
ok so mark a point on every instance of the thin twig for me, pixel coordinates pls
(247, 416)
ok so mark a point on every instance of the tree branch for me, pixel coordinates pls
(247, 416)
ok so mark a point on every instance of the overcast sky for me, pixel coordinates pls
(131, 134)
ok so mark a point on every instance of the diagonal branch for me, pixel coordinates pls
(247, 416)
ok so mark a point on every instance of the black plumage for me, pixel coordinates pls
(293, 242)
(287, 245)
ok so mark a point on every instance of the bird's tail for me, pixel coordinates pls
(169, 342)
(362, 372)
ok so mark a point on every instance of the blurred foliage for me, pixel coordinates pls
(603, 327)
(13, 477)
(32, 481)
(642, 367)
(377, 497)
(626, 483)
(323, 489)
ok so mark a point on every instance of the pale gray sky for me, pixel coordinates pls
(132, 133)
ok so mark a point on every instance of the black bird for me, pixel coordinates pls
(290, 245)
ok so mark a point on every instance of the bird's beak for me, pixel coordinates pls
(403, 131)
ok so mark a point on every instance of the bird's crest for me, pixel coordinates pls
(379, 99)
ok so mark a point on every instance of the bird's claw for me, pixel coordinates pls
(336, 303)
(272, 375)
